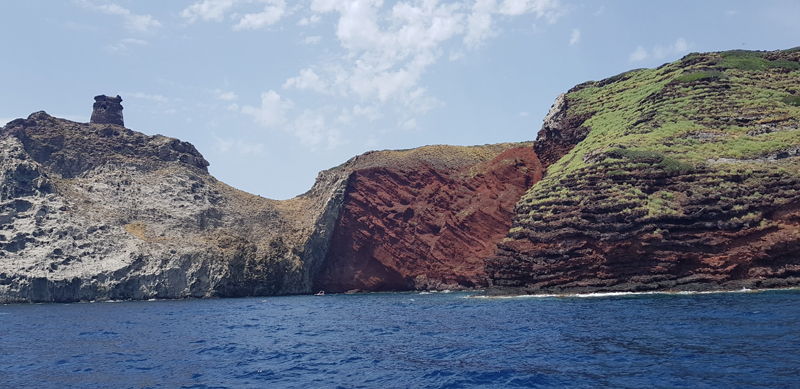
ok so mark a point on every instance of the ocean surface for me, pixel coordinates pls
(408, 340)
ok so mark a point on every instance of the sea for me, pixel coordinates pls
(744, 339)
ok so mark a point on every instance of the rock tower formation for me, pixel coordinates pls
(107, 110)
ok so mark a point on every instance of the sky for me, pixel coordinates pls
(273, 91)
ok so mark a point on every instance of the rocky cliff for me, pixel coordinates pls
(97, 211)
(425, 218)
(684, 177)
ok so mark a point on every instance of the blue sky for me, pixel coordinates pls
(272, 91)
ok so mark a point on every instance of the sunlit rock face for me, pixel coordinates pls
(683, 177)
(97, 211)
(425, 219)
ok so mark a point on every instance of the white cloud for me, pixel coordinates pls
(523, 114)
(409, 124)
(479, 23)
(549, 9)
(731, 12)
(575, 38)
(156, 98)
(314, 19)
(217, 10)
(239, 147)
(639, 54)
(312, 40)
(681, 46)
(388, 53)
(600, 11)
(456, 55)
(222, 95)
(306, 80)
(233, 107)
(334, 139)
(386, 49)
(273, 12)
(371, 113)
(272, 112)
(345, 117)
(310, 128)
(123, 46)
(139, 42)
(133, 22)
(208, 10)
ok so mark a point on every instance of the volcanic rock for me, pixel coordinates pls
(425, 218)
(642, 203)
(97, 211)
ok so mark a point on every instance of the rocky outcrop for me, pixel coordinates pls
(93, 212)
(98, 211)
(683, 177)
(643, 203)
(69, 149)
(107, 110)
(425, 218)
(560, 132)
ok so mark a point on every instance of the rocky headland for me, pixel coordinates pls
(94, 211)
(98, 211)
(683, 177)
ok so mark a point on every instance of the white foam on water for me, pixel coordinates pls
(624, 294)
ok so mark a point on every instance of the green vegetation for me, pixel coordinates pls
(792, 100)
(743, 60)
(703, 75)
(753, 61)
(705, 115)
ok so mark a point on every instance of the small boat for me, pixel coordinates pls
(320, 293)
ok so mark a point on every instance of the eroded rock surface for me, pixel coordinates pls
(425, 218)
(687, 178)
(91, 211)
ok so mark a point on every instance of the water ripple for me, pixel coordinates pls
(438, 340)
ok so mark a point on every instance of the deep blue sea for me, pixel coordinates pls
(408, 340)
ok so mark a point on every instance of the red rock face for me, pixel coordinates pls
(723, 238)
(423, 227)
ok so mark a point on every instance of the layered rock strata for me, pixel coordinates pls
(425, 218)
(98, 211)
(687, 179)
(684, 177)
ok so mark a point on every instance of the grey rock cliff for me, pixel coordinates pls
(95, 211)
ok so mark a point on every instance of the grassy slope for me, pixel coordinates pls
(739, 107)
